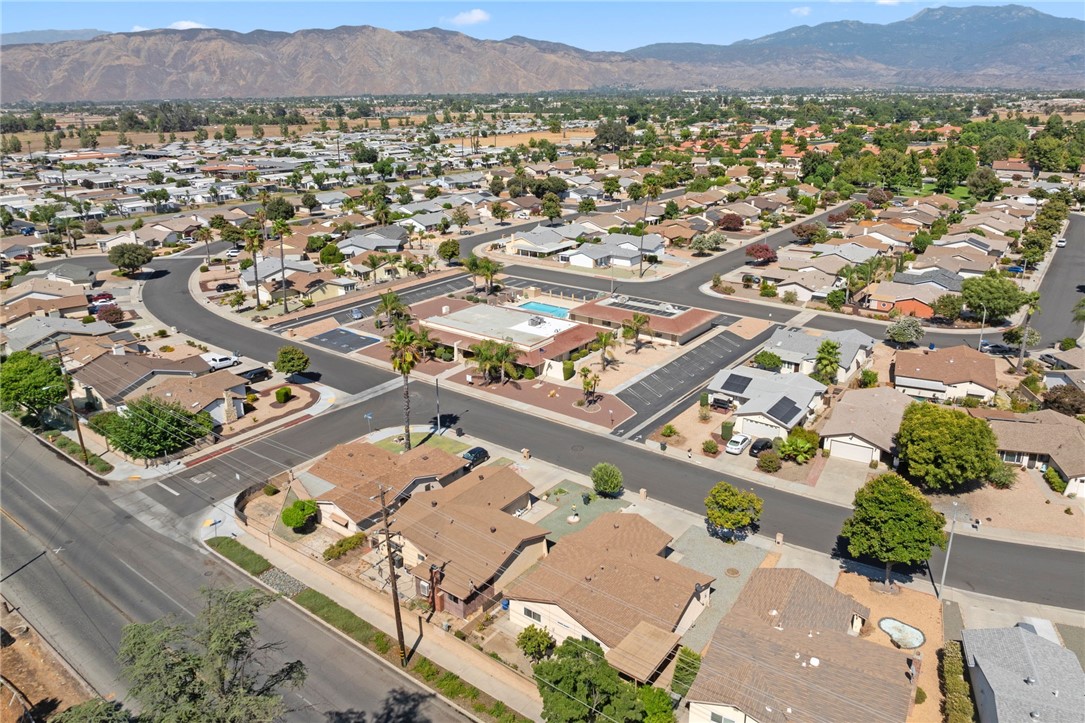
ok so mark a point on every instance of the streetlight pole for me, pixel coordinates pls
(437, 387)
(392, 581)
(983, 323)
(71, 406)
(949, 549)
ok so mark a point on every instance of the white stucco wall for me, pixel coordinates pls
(702, 713)
(560, 624)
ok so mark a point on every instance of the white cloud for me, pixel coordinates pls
(802, 12)
(887, 2)
(470, 17)
(179, 25)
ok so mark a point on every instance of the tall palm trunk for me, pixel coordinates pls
(1024, 339)
(406, 415)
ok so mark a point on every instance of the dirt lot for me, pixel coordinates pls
(34, 667)
(914, 608)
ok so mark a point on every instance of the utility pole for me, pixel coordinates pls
(71, 405)
(282, 271)
(392, 581)
(437, 387)
(949, 549)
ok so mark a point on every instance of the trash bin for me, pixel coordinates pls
(505, 604)
(459, 431)
(663, 446)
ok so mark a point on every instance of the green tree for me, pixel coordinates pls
(768, 360)
(499, 212)
(1000, 296)
(406, 354)
(827, 362)
(1031, 302)
(210, 671)
(449, 250)
(489, 268)
(229, 132)
(473, 265)
(278, 208)
(703, 244)
(607, 342)
(905, 330)
(948, 306)
(983, 183)
(944, 448)
(95, 710)
(31, 382)
(953, 166)
(460, 217)
(129, 257)
(291, 360)
(330, 255)
(893, 523)
(836, 298)
(551, 207)
(730, 510)
(634, 327)
(657, 705)
(607, 479)
(308, 200)
(577, 685)
(1065, 399)
(298, 515)
(151, 427)
(586, 205)
(391, 306)
(495, 360)
(536, 643)
(611, 185)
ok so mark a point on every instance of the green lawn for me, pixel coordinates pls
(424, 438)
(961, 193)
(240, 555)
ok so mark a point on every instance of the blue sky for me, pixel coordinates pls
(613, 25)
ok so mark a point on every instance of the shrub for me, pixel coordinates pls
(769, 461)
(957, 696)
(689, 663)
(1068, 343)
(204, 268)
(868, 378)
(668, 431)
(240, 555)
(790, 297)
(767, 289)
(704, 399)
(270, 490)
(567, 369)
(607, 480)
(103, 422)
(726, 290)
(1033, 383)
(529, 374)
(283, 394)
(298, 515)
(341, 547)
(1054, 480)
(727, 430)
(920, 695)
(873, 464)
(1002, 477)
(161, 333)
(704, 414)
(89, 319)
(710, 447)
(110, 315)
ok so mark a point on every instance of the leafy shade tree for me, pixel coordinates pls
(499, 212)
(1065, 399)
(130, 257)
(826, 362)
(212, 670)
(730, 510)
(953, 166)
(983, 183)
(944, 448)
(110, 315)
(406, 354)
(703, 244)
(607, 479)
(577, 685)
(1000, 296)
(96, 710)
(536, 643)
(298, 515)
(761, 253)
(893, 523)
(948, 306)
(153, 428)
(730, 222)
(31, 382)
(586, 205)
(634, 327)
(768, 360)
(291, 360)
(460, 218)
(279, 209)
(449, 250)
(836, 299)
(656, 703)
(551, 207)
(310, 202)
(905, 330)
(1017, 336)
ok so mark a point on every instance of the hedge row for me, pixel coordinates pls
(957, 693)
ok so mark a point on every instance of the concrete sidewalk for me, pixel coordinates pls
(489, 676)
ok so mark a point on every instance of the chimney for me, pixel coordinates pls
(229, 410)
(118, 350)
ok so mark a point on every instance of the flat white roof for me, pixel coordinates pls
(502, 324)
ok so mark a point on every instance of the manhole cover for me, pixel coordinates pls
(731, 572)
(577, 448)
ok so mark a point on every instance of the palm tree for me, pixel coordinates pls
(254, 244)
(495, 359)
(66, 225)
(473, 265)
(489, 268)
(374, 261)
(390, 305)
(633, 327)
(507, 355)
(426, 342)
(406, 353)
(204, 234)
(1032, 307)
(652, 189)
(607, 342)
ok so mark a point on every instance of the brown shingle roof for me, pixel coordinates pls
(952, 365)
(197, 393)
(1045, 432)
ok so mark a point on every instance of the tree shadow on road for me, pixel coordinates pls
(400, 706)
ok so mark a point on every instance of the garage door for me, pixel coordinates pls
(757, 429)
(847, 450)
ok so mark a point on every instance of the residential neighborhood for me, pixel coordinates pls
(564, 405)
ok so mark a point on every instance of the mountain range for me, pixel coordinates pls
(950, 47)
(27, 37)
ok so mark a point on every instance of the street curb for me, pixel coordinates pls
(400, 671)
(101, 481)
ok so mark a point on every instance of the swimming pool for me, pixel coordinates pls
(557, 312)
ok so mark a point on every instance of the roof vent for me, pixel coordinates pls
(814, 662)
(1034, 715)
(656, 578)
(492, 529)
(1030, 680)
(433, 503)
(616, 525)
(774, 612)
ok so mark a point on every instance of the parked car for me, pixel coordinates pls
(103, 296)
(1060, 243)
(760, 445)
(258, 374)
(27, 230)
(225, 286)
(220, 361)
(475, 456)
(998, 349)
(751, 279)
(356, 313)
(1051, 360)
(737, 443)
(233, 253)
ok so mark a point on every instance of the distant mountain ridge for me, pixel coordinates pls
(28, 37)
(970, 47)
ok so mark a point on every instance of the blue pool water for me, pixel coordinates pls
(548, 309)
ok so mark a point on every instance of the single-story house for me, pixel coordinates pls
(221, 394)
(464, 543)
(358, 243)
(798, 350)
(1059, 376)
(539, 242)
(909, 299)
(616, 249)
(74, 274)
(38, 331)
(862, 425)
(1042, 439)
(424, 222)
(950, 373)
(105, 381)
(789, 650)
(1019, 675)
(610, 582)
(766, 404)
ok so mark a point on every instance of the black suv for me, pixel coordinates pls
(759, 446)
(258, 374)
(223, 287)
(475, 456)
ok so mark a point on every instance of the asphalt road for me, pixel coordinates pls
(1063, 287)
(79, 568)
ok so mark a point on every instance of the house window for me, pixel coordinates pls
(1013, 457)
(532, 615)
(718, 718)
(421, 557)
